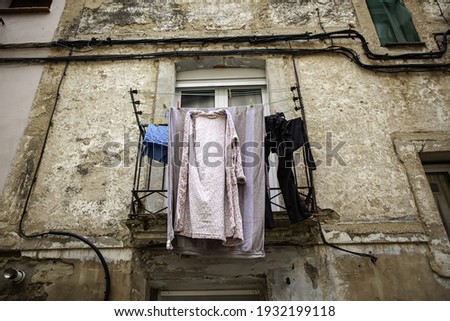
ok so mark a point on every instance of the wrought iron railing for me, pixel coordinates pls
(149, 192)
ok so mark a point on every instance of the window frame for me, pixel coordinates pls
(440, 168)
(221, 94)
(39, 8)
(172, 288)
(222, 80)
(437, 168)
(208, 295)
(410, 149)
(379, 12)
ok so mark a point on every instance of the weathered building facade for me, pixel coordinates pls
(377, 108)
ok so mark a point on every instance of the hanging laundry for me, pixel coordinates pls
(208, 201)
(155, 143)
(249, 126)
(296, 129)
(283, 137)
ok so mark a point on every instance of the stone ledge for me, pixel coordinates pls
(151, 232)
(375, 232)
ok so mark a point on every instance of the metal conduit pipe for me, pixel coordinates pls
(350, 34)
(349, 53)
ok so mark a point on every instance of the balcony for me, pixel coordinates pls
(147, 219)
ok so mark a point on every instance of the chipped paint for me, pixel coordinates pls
(372, 194)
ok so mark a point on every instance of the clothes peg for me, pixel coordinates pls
(166, 111)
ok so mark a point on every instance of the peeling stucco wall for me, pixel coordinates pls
(366, 129)
(301, 273)
(66, 275)
(84, 180)
(19, 91)
(127, 17)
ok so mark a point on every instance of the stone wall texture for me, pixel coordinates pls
(367, 129)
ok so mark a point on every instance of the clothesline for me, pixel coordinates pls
(242, 92)
(245, 105)
(156, 118)
(286, 110)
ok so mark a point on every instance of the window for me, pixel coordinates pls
(221, 97)
(25, 6)
(242, 288)
(439, 178)
(207, 88)
(227, 87)
(393, 22)
(416, 151)
(208, 295)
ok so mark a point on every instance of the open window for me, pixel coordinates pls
(393, 22)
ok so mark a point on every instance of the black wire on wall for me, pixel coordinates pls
(349, 34)
(55, 232)
(349, 53)
(253, 40)
(441, 12)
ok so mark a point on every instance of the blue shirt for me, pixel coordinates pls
(156, 141)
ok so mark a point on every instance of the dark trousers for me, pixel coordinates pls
(283, 138)
(295, 206)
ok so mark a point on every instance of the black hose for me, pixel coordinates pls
(373, 258)
(97, 251)
(349, 53)
(52, 232)
(252, 39)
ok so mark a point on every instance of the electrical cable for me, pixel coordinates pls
(349, 34)
(321, 24)
(41, 155)
(99, 255)
(442, 12)
(34, 179)
(349, 53)
(373, 258)
(342, 34)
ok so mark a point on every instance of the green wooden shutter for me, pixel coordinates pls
(392, 21)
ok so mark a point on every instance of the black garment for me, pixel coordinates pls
(296, 129)
(283, 137)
